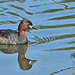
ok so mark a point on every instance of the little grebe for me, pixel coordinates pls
(13, 37)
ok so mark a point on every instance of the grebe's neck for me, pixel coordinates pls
(22, 28)
(21, 33)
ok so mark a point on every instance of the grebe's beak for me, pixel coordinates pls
(31, 62)
(32, 27)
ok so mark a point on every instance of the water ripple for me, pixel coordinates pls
(22, 9)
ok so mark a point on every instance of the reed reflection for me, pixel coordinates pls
(24, 63)
(73, 60)
(3, 1)
(73, 66)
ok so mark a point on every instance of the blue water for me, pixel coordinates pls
(48, 45)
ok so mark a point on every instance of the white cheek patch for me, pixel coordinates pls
(31, 27)
(30, 62)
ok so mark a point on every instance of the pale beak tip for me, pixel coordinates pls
(32, 27)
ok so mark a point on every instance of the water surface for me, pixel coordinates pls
(50, 47)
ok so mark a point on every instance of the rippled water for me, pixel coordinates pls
(50, 47)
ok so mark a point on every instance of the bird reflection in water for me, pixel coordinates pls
(24, 63)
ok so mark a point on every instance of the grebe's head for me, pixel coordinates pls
(25, 24)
